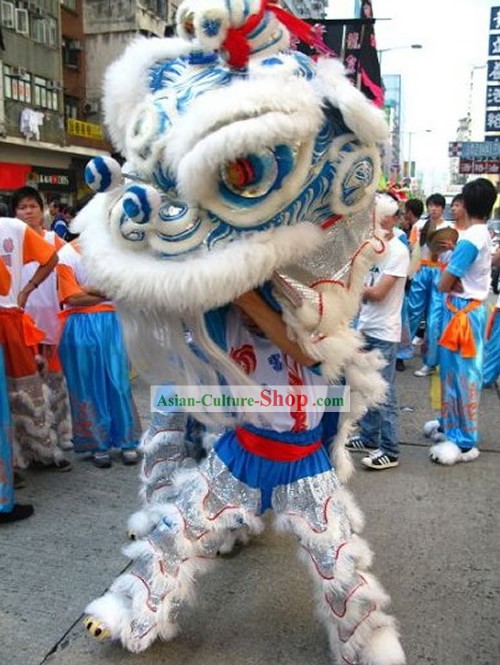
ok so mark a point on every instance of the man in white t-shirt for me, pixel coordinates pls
(380, 322)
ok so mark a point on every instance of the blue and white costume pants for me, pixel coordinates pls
(426, 302)
(228, 490)
(95, 365)
(462, 380)
(491, 366)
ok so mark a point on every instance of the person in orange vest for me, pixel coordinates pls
(43, 306)
(465, 281)
(95, 364)
(9, 511)
(33, 439)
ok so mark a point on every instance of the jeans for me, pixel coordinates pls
(379, 428)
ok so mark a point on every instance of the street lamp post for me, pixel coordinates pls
(410, 134)
(395, 48)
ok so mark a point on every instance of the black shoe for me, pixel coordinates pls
(400, 365)
(101, 460)
(19, 512)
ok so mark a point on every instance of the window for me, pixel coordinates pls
(70, 4)
(71, 53)
(39, 30)
(46, 94)
(7, 15)
(17, 84)
(22, 22)
(71, 107)
(52, 31)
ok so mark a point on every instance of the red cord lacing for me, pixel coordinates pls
(237, 45)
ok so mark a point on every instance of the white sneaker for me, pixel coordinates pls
(425, 370)
(417, 341)
(379, 460)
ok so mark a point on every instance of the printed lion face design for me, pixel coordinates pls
(231, 173)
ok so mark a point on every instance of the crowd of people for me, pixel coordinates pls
(63, 364)
(64, 374)
(431, 288)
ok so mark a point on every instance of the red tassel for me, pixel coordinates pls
(237, 46)
(306, 33)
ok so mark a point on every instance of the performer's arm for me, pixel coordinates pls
(462, 258)
(271, 323)
(449, 283)
(378, 292)
(71, 293)
(41, 274)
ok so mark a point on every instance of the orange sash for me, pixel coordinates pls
(431, 264)
(89, 309)
(31, 334)
(458, 335)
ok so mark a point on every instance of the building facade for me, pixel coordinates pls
(109, 26)
(307, 8)
(35, 147)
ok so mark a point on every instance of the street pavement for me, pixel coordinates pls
(434, 531)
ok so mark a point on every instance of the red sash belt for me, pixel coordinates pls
(276, 451)
(458, 335)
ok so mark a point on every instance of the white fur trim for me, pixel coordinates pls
(470, 455)
(430, 427)
(383, 648)
(360, 115)
(126, 81)
(111, 611)
(447, 453)
(203, 282)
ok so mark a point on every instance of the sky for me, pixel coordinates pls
(436, 80)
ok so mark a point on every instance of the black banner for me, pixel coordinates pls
(353, 41)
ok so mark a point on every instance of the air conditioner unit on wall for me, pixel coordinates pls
(54, 85)
(91, 106)
(18, 72)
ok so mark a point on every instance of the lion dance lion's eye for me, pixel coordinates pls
(188, 24)
(255, 175)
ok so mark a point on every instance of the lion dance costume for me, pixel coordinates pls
(248, 166)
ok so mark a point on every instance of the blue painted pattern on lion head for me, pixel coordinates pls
(215, 154)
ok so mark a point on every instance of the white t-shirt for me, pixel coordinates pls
(267, 365)
(382, 320)
(18, 246)
(43, 303)
(471, 262)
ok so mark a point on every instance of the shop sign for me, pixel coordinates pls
(86, 130)
(53, 180)
(479, 166)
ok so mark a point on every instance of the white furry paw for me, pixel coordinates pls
(96, 628)
(430, 427)
(447, 453)
(139, 525)
(469, 456)
(383, 648)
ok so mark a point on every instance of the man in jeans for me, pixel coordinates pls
(380, 322)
